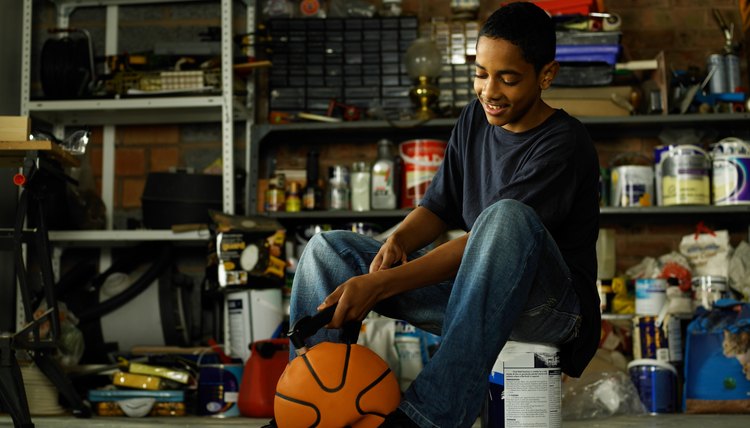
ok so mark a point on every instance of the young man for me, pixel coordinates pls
(521, 178)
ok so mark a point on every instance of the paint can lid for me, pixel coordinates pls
(653, 363)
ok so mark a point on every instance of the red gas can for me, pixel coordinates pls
(267, 361)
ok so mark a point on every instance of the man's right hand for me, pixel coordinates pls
(392, 252)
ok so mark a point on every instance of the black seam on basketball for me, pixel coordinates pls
(369, 387)
(317, 379)
(304, 403)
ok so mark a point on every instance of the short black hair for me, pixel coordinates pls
(527, 26)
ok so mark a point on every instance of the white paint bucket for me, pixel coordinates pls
(731, 172)
(650, 295)
(525, 387)
(685, 171)
(632, 186)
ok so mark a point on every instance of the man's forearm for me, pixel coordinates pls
(438, 265)
(419, 228)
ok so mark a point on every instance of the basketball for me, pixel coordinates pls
(336, 385)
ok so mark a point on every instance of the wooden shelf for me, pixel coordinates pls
(12, 153)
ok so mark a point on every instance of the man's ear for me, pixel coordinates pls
(548, 74)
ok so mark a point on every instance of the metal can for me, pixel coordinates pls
(718, 83)
(732, 63)
(218, 390)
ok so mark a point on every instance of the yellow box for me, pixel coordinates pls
(137, 381)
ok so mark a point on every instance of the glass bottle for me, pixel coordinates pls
(293, 198)
(360, 186)
(312, 195)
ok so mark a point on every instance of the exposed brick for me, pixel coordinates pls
(96, 137)
(164, 158)
(130, 162)
(148, 134)
(95, 157)
(132, 190)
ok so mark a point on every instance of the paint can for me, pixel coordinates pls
(685, 171)
(731, 172)
(650, 295)
(708, 289)
(525, 387)
(656, 383)
(649, 339)
(718, 83)
(632, 186)
(732, 65)
(218, 390)
(422, 158)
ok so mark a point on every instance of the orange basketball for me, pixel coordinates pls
(336, 385)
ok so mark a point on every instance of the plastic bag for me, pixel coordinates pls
(600, 395)
(739, 270)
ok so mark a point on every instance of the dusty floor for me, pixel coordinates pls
(660, 421)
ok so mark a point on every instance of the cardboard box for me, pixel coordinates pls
(593, 101)
(14, 128)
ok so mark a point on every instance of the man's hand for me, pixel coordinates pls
(392, 252)
(355, 298)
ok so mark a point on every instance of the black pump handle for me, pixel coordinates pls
(309, 325)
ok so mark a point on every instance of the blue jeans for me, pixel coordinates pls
(512, 284)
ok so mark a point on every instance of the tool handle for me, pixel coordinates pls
(309, 325)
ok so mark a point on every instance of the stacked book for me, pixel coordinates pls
(586, 58)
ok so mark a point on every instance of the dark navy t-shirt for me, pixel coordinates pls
(552, 168)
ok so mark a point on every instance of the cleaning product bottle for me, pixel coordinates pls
(383, 196)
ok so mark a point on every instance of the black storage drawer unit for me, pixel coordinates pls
(179, 198)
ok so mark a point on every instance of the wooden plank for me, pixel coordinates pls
(13, 152)
(14, 128)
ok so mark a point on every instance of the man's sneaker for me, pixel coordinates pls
(398, 419)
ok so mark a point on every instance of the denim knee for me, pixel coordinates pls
(508, 214)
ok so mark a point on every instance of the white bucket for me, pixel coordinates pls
(525, 387)
(650, 295)
(685, 176)
(632, 186)
(731, 172)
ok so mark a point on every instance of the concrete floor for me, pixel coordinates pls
(660, 421)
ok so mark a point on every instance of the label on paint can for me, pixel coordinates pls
(525, 387)
(650, 295)
(218, 390)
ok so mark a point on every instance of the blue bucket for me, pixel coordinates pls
(656, 382)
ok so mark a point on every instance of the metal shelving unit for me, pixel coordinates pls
(223, 108)
(301, 133)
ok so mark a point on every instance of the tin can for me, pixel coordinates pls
(649, 340)
(685, 176)
(525, 373)
(650, 295)
(218, 390)
(656, 382)
(731, 172)
(718, 83)
(632, 186)
(708, 289)
(732, 64)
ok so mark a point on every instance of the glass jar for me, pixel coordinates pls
(360, 187)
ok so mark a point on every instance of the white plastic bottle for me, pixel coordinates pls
(383, 196)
